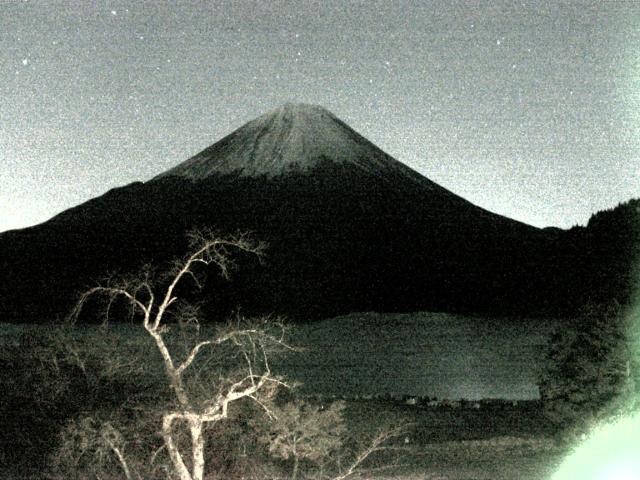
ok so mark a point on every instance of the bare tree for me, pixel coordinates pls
(381, 442)
(315, 433)
(155, 301)
(305, 431)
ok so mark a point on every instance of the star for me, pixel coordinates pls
(113, 12)
(25, 61)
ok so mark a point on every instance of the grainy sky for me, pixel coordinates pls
(528, 109)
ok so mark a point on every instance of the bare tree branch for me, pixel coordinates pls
(379, 443)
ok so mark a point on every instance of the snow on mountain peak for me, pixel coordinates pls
(293, 137)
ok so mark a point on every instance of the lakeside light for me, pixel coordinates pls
(611, 452)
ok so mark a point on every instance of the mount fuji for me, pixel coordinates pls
(349, 228)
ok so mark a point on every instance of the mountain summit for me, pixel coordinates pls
(295, 137)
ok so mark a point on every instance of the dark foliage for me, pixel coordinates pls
(592, 371)
(52, 376)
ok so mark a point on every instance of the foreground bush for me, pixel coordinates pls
(591, 373)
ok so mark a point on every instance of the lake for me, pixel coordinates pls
(418, 354)
(422, 354)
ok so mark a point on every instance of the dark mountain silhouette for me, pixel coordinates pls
(349, 229)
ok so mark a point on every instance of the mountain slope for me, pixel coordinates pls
(298, 139)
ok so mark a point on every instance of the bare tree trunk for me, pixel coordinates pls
(174, 453)
(197, 447)
(296, 462)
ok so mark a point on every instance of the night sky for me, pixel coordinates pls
(528, 109)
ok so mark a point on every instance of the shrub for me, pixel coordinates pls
(591, 370)
(305, 432)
